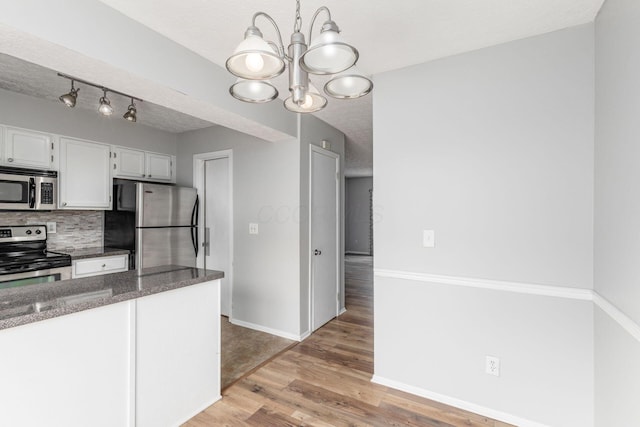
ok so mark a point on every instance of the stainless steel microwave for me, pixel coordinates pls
(28, 189)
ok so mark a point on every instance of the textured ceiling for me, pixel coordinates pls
(24, 77)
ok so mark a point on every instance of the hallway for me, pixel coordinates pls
(325, 380)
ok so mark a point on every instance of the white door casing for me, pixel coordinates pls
(324, 229)
(213, 178)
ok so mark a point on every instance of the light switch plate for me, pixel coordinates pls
(428, 239)
(253, 228)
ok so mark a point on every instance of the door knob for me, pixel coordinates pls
(317, 252)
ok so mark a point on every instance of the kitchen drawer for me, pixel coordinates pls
(101, 265)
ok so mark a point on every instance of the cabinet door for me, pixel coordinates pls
(128, 163)
(28, 149)
(84, 179)
(159, 167)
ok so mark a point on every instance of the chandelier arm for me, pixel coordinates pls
(270, 19)
(315, 15)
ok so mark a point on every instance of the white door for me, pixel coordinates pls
(29, 149)
(159, 167)
(217, 222)
(129, 163)
(324, 236)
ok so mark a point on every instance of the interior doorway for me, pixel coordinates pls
(214, 180)
(324, 233)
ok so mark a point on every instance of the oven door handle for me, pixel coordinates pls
(32, 193)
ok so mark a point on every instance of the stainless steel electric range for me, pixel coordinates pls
(25, 260)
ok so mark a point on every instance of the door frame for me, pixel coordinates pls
(319, 150)
(199, 183)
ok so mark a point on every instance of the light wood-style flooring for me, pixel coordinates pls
(325, 380)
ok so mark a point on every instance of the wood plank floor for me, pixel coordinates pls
(325, 380)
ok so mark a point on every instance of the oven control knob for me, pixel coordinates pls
(28, 232)
(38, 231)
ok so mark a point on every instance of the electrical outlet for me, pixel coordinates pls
(51, 228)
(253, 228)
(492, 366)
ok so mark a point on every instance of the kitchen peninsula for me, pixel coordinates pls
(120, 349)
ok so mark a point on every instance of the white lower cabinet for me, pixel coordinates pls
(85, 176)
(149, 362)
(99, 265)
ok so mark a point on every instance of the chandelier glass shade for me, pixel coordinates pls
(256, 60)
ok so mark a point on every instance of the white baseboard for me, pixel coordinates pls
(461, 404)
(202, 408)
(271, 331)
(343, 310)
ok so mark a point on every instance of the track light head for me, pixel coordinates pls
(131, 113)
(69, 99)
(105, 107)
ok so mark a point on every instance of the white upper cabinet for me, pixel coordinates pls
(159, 167)
(128, 163)
(85, 175)
(142, 165)
(25, 148)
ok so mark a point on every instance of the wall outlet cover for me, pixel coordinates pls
(253, 228)
(51, 228)
(492, 366)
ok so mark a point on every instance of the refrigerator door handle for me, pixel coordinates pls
(194, 225)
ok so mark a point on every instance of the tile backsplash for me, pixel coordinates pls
(75, 229)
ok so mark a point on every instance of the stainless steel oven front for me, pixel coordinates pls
(28, 189)
(35, 277)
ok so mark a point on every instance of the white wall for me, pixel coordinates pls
(357, 215)
(617, 211)
(266, 190)
(494, 151)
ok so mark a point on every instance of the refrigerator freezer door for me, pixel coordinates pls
(165, 246)
(164, 205)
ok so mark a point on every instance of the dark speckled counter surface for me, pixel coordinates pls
(32, 303)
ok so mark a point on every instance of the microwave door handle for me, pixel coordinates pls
(32, 193)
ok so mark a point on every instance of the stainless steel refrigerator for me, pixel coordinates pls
(157, 223)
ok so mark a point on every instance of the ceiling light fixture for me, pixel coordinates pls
(105, 108)
(69, 99)
(132, 113)
(255, 61)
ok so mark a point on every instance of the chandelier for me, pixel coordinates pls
(255, 61)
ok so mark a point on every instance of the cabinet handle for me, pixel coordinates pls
(64, 204)
(10, 159)
(104, 265)
(143, 175)
(149, 176)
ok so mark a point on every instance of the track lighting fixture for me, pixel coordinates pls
(69, 99)
(256, 60)
(131, 113)
(104, 108)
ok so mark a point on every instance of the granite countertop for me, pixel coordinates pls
(32, 303)
(92, 252)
